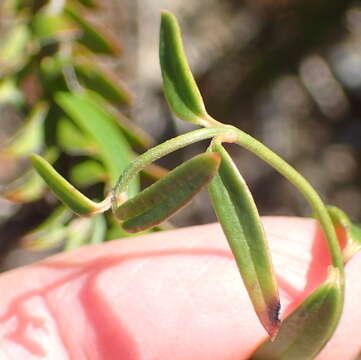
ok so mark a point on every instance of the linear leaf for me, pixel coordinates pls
(239, 218)
(113, 147)
(66, 192)
(50, 233)
(30, 137)
(94, 36)
(305, 332)
(29, 186)
(72, 140)
(103, 81)
(86, 173)
(78, 233)
(164, 198)
(179, 85)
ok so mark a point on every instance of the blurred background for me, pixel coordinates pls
(286, 71)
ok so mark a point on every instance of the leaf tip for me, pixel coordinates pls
(273, 318)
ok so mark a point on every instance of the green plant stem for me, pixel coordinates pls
(303, 186)
(161, 150)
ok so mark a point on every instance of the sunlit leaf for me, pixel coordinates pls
(50, 233)
(103, 81)
(13, 48)
(66, 192)
(164, 198)
(113, 147)
(10, 92)
(136, 136)
(86, 173)
(347, 231)
(72, 140)
(95, 37)
(305, 332)
(179, 85)
(30, 137)
(240, 221)
(50, 27)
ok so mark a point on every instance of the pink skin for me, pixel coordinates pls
(171, 295)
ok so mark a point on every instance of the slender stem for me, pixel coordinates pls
(304, 187)
(161, 150)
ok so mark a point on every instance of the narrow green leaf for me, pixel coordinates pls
(26, 188)
(347, 230)
(136, 136)
(103, 81)
(239, 218)
(78, 234)
(164, 198)
(50, 233)
(72, 140)
(86, 173)
(305, 332)
(114, 150)
(13, 48)
(94, 36)
(52, 27)
(179, 85)
(30, 137)
(29, 186)
(66, 192)
(99, 229)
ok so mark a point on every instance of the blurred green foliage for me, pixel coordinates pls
(72, 112)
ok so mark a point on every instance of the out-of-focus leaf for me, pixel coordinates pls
(95, 37)
(136, 136)
(114, 150)
(13, 48)
(86, 173)
(72, 140)
(29, 186)
(9, 92)
(50, 233)
(78, 234)
(179, 85)
(90, 3)
(240, 221)
(164, 198)
(346, 229)
(30, 137)
(66, 192)
(99, 229)
(305, 332)
(52, 27)
(103, 81)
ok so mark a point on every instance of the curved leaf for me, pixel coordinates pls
(164, 198)
(30, 137)
(66, 192)
(113, 147)
(179, 85)
(239, 218)
(95, 37)
(105, 82)
(305, 332)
